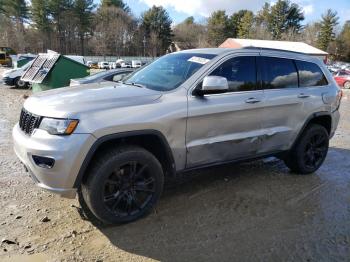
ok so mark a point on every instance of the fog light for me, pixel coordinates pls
(44, 162)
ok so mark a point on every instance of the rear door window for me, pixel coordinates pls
(278, 73)
(310, 74)
(240, 73)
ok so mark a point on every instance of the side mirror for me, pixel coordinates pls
(213, 85)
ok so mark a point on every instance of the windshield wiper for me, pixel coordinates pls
(133, 84)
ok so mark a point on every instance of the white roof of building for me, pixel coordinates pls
(284, 45)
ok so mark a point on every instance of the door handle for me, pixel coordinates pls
(252, 100)
(302, 95)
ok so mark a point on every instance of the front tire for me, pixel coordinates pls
(309, 152)
(123, 185)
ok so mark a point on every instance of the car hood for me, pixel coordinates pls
(78, 81)
(71, 102)
(6, 73)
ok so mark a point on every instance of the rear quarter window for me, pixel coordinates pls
(310, 74)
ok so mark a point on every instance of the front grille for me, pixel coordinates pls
(28, 121)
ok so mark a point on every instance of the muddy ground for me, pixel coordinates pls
(256, 211)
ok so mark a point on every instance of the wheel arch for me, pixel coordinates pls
(321, 118)
(152, 140)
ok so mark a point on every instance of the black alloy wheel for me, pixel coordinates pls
(316, 150)
(309, 151)
(129, 189)
(122, 185)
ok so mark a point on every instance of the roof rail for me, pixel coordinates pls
(271, 49)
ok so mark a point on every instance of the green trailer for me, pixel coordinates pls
(52, 70)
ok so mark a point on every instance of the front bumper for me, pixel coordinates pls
(68, 152)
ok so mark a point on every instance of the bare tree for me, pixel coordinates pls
(113, 31)
(189, 34)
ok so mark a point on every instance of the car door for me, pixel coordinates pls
(282, 108)
(289, 100)
(314, 90)
(223, 127)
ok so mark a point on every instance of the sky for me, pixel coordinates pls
(201, 9)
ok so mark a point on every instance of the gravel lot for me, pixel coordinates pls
(256, 211)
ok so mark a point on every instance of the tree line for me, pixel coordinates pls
(110, 28)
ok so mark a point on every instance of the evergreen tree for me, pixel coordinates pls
(343, 46)
(57, 10)
(235, 21)
(16, 12)
(218, 28)
(2, 10)
(15, 9)
(157, 26)
(40, 16)
(189, 20)
(116, 3)
(328, 23)
(83, 12)
(245, 25)
(294, 17)
(284, 17)
(263, 16)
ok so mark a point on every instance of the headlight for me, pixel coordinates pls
(56, 126)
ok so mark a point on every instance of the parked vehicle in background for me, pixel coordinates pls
(110, 75)
(119, 63)
(136, 63)
(94, 65)
(115, 144)
(89, 63)
(126, 64)
(6, 54)
(112, 65)
(342, 78)
(12, 77)
(22, 59)
(5, 60)
(333, 69)
(103, 65)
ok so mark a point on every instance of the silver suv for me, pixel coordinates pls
(114, 145)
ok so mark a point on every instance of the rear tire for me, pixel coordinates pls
(309, 152)
(123, 185)
(347, 85)
(19, 83)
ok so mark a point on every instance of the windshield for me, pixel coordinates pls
(170, 71)
(24, 67)
(96, 76)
